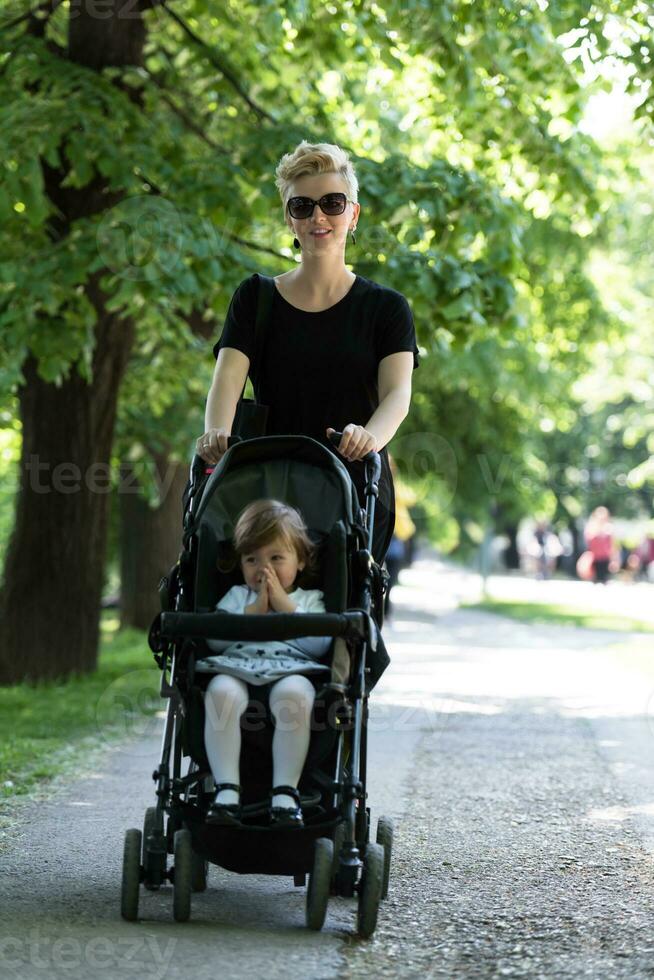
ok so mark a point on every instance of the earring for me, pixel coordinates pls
(296, 243)
(354, 241)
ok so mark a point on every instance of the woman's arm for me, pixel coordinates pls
(229, 377)
(394, 388)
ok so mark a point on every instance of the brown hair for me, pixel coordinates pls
(264, 520)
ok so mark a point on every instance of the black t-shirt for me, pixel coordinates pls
(320, 369)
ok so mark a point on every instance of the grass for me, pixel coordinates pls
(541, 612)
(9, 455)
(51, 728)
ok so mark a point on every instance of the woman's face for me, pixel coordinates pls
(336, 225)
(279, 556)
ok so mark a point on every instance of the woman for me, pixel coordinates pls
(601, 542)
(339, 348)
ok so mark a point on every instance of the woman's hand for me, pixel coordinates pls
(212, 446)
(355, 441)
(279, 601)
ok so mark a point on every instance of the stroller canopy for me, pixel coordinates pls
(295, 469)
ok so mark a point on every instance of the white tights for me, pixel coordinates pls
(291, 701)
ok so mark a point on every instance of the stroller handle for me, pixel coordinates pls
(280, 626)
(371, 459)
(200, 467)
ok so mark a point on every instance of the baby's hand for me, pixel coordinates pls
(261, 604)
(278, 599)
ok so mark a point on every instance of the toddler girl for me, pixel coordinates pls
(271, 541)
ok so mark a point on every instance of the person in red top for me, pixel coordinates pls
(600, 541)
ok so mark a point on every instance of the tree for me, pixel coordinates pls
(54, 566)
(139, 191)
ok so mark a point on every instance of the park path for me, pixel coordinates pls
(517, 764)
(526, 844)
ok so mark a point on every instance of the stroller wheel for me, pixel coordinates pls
(385, 838)
(154, 851)
(182, 870)
(319, 879)
(199, 868)
(370, 889)
(129, 894)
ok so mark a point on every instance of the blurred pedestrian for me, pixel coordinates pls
(600, 541)
(394, 564)
(545, 548)
(646, 553)
(405, 529)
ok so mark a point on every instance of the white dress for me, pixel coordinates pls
(263, 663)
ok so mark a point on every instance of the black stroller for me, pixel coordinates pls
(334, 846)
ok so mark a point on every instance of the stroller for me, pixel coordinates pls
(333, 848)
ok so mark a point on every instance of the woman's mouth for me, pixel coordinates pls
(321, 234)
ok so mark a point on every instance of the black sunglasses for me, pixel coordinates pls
(302, 207)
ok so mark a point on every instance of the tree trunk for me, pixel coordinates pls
(511, 554)
(150, 539)
(49, 603)
(53, 571)
(111, 33)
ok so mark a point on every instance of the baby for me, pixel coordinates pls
(272, 544)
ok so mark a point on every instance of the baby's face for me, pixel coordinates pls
(278, 556)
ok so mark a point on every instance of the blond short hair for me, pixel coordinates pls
(309, 159)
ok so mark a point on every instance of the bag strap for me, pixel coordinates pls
(265, 293)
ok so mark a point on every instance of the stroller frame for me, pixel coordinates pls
(337, 852)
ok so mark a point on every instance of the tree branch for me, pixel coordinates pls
(31, 14)
(256, 247)
(185, 117)
(217, 62)
(198, 326)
